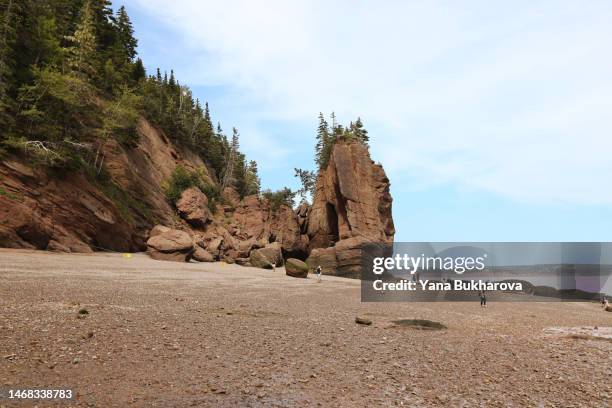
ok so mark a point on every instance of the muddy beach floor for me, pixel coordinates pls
(162, 334)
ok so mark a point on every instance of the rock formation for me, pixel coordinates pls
(351, 209)
(75, 213)
(193, 207)
(296, 268)
(170, 245)
(267, 257)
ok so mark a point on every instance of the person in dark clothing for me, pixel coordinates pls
(483, 298)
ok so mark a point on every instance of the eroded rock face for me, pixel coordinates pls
(193, 207)
(351, 209)
(171, 245)
(267, 257)
(325, 258)
(257, 222)
(69, 213)
(352, 199)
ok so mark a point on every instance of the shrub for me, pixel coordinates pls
(277, 198)
(181, 179)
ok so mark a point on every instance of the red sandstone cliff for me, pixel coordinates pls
(75, 213)
(351, 208)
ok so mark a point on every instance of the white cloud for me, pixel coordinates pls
(513, 99)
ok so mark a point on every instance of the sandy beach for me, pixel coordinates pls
(164, 334)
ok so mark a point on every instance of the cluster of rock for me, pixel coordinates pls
(351, 209)
(246, 232)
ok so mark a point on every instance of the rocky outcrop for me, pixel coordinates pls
(351, 209)
(296, 268)
(267, 257)
(70, 212)
(325, 258)
(202, 255)
(193, 207)
(171, 245)
(352, 199)
(258, 223)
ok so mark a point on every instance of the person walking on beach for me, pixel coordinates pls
(483, 298)
(319, 273)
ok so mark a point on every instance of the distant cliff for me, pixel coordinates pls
(71, 212)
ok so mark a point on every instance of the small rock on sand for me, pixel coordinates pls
(363, 320)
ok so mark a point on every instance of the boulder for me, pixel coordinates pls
(296, 268)
(171, 245)
(158, 229)
(259, 260)
(193, 207)
(324, 257)
(244, 247)
(285, 228)
(202, 255)
(273, 253)
(243, 262)
(214, 245)
(302, 216)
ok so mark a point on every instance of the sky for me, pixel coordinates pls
(493, 120)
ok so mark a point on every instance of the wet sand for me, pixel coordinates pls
(162, 334)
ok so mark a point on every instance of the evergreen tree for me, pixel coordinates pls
(253, 183)
(323, 139)
(359, 132)
(125, 34)
(207, 120)
(230, 161)
(104, 24)
(172, 80)
(82, 53)
(138, 71)
(7, 37)
(308, 179)
(239, 175)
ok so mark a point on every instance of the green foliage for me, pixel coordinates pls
(308, 179)
(121, 116)
(125, 34)
(277, 198)
(181, 179)
(82, 52)
(70, 81)
(252, 181)
(327, 137)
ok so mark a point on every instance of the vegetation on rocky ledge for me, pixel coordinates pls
(70, 81)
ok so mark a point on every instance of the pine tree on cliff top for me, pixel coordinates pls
(7, 37)
(360, 132)
(126, 34)
(322, 148)
(82, 53)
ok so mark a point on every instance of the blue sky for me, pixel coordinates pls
(493, 120)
